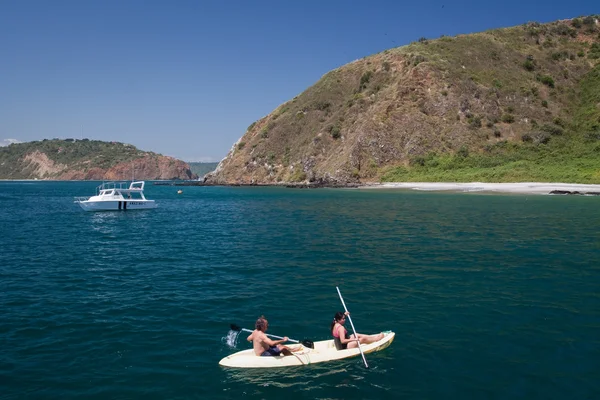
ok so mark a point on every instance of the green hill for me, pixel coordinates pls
(505, 105)
(85, 159)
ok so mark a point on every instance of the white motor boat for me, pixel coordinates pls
(115, 196)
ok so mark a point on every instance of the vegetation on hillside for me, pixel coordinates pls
(86, 159)
(561, 152)
(81, 153)
(514, 104)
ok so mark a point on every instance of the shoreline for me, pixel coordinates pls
(541, 188)
(516, 187)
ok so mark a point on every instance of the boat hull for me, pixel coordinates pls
(324, 351)
(117, 205)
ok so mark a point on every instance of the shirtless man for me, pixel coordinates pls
(263, 346)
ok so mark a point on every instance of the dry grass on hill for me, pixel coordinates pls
(432, 108)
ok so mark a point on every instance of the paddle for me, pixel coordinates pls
(305, 342)
(352, 325)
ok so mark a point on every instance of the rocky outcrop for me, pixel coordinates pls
(40, 165)
(150, 167)
(574, 192)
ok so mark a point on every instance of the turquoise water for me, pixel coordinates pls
(490, 296)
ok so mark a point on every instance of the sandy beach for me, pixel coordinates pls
(518, 187)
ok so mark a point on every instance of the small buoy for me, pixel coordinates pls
(179, 191)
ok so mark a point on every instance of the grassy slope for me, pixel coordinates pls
(573, 156)
(566, 150)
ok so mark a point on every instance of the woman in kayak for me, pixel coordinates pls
(342, 339)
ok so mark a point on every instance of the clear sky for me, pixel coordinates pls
(186, 78)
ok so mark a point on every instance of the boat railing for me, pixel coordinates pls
(112, 185)
(137, 185)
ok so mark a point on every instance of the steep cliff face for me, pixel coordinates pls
(87, 160)
(149, 167)
(454, 95)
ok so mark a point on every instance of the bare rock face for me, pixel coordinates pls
(42, 165)
(150, 167)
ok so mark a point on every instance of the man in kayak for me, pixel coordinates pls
(342, 339)
(263, 346)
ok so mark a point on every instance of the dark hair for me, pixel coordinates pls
(261, 323)
(338, 317)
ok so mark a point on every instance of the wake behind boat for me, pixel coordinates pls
(114, 196)
(324, 350)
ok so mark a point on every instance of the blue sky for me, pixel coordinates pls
(186, 78)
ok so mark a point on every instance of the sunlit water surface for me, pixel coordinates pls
(490, 296)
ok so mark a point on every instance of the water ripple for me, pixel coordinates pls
(491, 296)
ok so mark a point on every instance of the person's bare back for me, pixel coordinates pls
(263, 345)
(258, 342)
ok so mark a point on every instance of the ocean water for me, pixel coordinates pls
(491, 296)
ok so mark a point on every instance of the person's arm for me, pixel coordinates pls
(250, 337)
(341, 331)
(342, 335)
(271, 342)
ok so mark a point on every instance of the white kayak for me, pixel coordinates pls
(324, 351)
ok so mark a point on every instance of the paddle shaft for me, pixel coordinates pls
(268, 334)
(353, 329)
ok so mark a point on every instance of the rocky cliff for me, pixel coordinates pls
(87, 160)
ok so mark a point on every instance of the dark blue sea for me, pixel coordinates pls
(491, 296)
